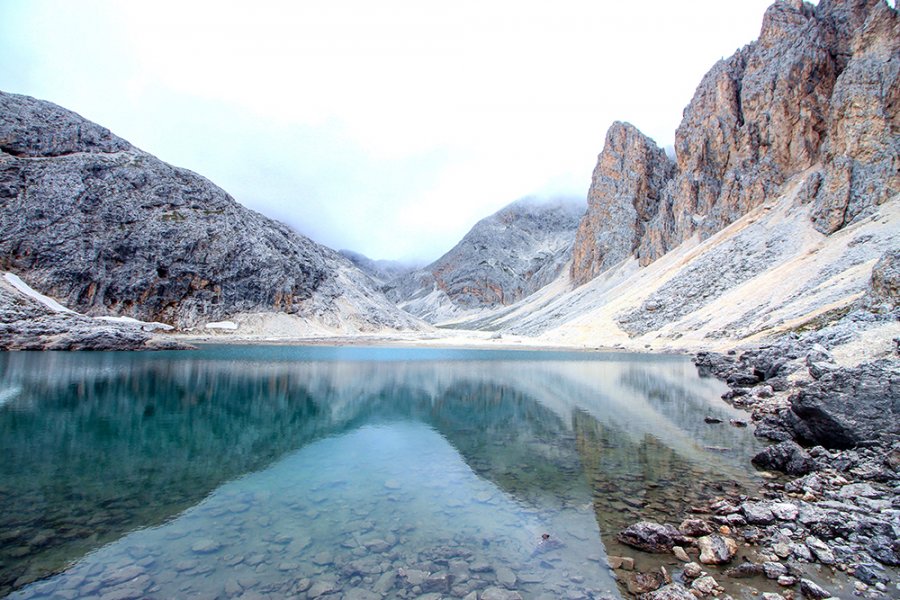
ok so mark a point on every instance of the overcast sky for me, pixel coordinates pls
(384, 127)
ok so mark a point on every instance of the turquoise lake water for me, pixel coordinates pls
(319, 472)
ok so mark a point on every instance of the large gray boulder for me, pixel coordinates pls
(847, 407)
(108, 229)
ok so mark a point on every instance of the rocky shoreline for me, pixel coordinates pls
(831, 505)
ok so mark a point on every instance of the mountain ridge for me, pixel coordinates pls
(503, 258)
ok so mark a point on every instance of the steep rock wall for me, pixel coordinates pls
(819, 89)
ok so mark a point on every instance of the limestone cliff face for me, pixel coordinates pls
(819, 89)
(503, 258)
(624, 196)
(108, 229)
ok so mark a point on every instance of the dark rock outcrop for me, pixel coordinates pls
(504, 258)
(817, 91)
(109, 229)
(846, 407)
(787, 457)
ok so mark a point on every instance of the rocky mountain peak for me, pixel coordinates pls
(502, 259)
(817, 91)
(623, 197)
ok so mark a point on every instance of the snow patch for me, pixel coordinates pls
(145, 325)
(224, 325)
(16, 282)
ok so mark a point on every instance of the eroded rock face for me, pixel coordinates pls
(861, 155)
(108, 229)
(624, 196)
(818, 90)
(504, 258)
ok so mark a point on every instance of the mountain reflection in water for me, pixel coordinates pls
(412, 451)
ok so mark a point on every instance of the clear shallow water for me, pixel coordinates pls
(330, 472)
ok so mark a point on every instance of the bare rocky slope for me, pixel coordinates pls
(502, 259)
(108, 229)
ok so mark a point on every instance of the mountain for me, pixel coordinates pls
(782, 197)
(502, 259)
(381, 271)
(108, 229)
(816, 96)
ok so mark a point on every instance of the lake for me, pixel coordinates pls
(347, 472)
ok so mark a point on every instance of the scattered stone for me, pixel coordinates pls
(716, 549)
(787, 580)
(784, 511)
(695, 527)
(673, 591)
(650, 537)
(801, 552)
(414, 576)
(680, 554)
(821, 550)
(692, 570)
(705, 585)
(626, 563)
(712, 420)
(758, 513)
(320, 588)
(360, 594)
(774, 570)
(869, 574)
(495, 593)
(641, 583)
(744, 571)
(438, 582)
(810, 589)
(505, 576)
